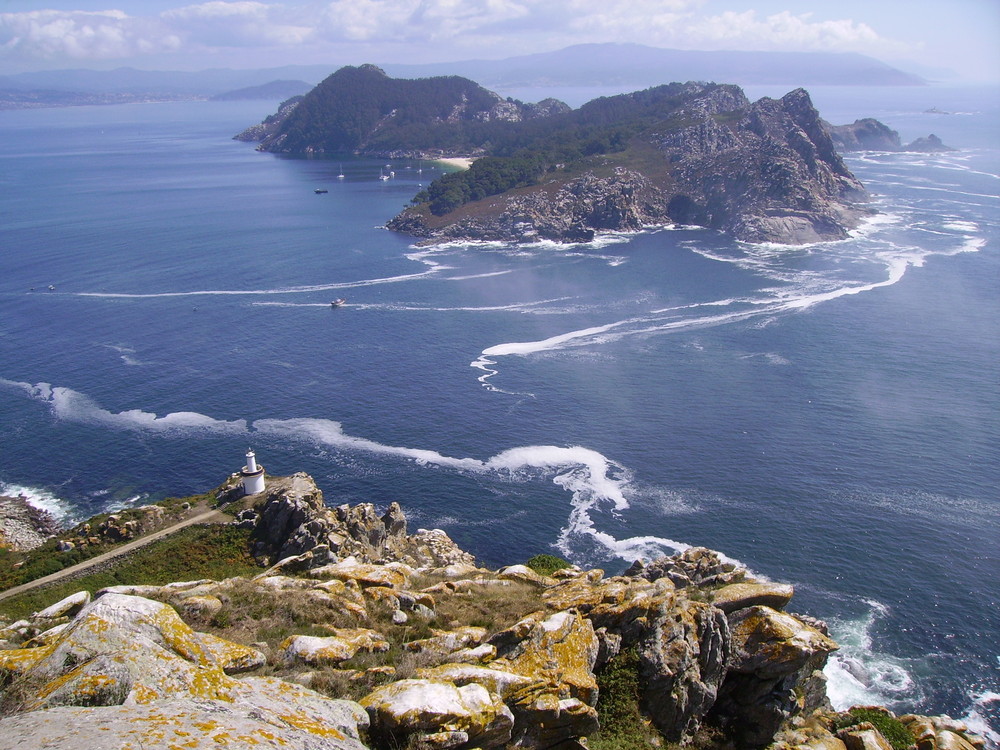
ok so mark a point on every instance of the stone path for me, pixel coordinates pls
(211, 516)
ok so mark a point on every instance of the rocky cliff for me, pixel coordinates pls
(22, 525)
(360, 634)
(869, 134)
(765, 171)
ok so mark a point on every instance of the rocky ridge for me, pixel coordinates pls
(380, 618)
(765, 171)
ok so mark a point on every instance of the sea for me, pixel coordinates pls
(826, 415)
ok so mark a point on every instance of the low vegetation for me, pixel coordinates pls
(895, 732)
(214, 551)
(623, 726)
(546, 565)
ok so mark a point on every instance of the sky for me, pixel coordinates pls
(927, 37)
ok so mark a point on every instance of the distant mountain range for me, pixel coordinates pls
(630, 66)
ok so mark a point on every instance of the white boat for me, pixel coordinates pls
(338, 302)
(341, 175)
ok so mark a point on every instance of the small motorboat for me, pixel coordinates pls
(318, 191)
(338, 302)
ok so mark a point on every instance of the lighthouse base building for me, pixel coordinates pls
(253, 475)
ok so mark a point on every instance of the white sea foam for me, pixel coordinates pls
(859, 675)
(977, 720)
(74, 406)
(41, 498)
(434, 268)
(961, 226)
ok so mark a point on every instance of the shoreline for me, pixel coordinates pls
(461, 162)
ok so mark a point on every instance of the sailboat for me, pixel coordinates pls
(341, 175)
(382, 175)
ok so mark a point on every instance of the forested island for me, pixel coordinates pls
(681, 153)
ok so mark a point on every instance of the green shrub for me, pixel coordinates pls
(623, 726)
(895, 732)
(546, 565)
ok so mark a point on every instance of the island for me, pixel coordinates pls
(682, 153)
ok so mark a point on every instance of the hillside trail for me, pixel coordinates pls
(210, 516)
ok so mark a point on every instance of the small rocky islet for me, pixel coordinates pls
(358, 634)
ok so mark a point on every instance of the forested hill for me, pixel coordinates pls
(362, 110)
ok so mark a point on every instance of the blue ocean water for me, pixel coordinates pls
(827, 415)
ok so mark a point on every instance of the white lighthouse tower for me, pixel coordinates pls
(253, 475)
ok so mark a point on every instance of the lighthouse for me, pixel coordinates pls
(253, 475)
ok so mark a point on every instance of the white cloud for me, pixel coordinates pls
(429, 28)
(787, 31)
(238, 24)
(81, 35)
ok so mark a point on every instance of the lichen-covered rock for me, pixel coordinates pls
(448, 641)
(772, 654)
(343, 645)
(66, 607)
(202, 607)
(420, 708)
(863, 737)
(941, 733)
(497, 681)
(683, 660)
(187, 723)
(742, 595)
(233, 658)
(366, 574)
(524, 574)
(558, 653)
(126, 647)
(768, 643)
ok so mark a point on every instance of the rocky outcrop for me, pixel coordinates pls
(573, 211)
(869, 134)
(930, 144)
(293, 527)
(23, 526)
(709, 647)
(271, 123)
(766, 171)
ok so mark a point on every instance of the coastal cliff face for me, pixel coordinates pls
(762, 172)
(399, 640)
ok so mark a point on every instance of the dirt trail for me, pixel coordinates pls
(211, 516)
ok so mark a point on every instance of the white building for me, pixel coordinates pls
(253, 475)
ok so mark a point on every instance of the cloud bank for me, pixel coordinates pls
(479, 28)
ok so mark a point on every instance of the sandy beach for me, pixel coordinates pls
(460, 162)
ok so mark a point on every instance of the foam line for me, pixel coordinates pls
(595, 483)
(766, 259)
(73, 406)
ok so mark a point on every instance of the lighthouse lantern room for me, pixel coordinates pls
(253, 475)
